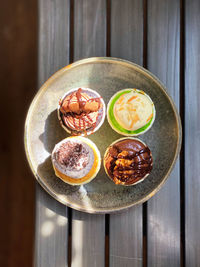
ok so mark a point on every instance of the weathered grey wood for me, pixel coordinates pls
(87, 239)
(192, 133)
(88, 231)
(163, 60)
(89, 28)
(51, 232)
(127, 30)
(51, 216)
(53, 37)
(127, 43)
(126, 238)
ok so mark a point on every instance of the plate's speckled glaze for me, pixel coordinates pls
(43, 131)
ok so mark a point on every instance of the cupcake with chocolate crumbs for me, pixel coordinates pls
(76, 160)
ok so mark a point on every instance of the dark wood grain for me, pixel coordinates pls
(127, 42)
(52, 217)
(88, 231)
(18, 76)
(192, 133)
(163, 57)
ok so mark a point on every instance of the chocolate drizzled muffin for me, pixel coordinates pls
(128, 161)
(81, 111)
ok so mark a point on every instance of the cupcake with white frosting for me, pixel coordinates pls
(76, 160)
(131, 112)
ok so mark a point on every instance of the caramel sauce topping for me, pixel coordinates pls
(79, 111)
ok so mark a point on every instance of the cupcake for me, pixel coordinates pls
(81, 111)
(76, 160)
(128, 161)
(131, 112)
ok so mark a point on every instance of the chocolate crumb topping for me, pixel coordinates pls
(72, 155)
(128, 161)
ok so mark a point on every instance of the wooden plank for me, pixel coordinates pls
(126, 42)
(89, 28)
(88, 231)
(18, 68)
(127, 30)
(54, 20)
(126, 238)
(163, 59)
(192, 133)
(51, 216)
(51, 237)
(87, 239)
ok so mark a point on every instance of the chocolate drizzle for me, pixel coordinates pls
(79, 98)
(128, 161)
(82, 119)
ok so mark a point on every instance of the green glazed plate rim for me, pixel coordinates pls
(146, 73)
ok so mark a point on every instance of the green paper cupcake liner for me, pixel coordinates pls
(113, 122)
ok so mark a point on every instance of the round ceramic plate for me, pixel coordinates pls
(43, 131)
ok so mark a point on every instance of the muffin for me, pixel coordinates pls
(131, 112)
(128, 161)
(76, 160)
(81, 111)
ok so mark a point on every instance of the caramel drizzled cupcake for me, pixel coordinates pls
(131, 112)
(76, 160)
(128, 161)
(81, 111)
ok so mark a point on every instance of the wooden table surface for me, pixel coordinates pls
(163, 36)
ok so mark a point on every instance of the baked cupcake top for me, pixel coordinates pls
(128, 161)
(131, 112)
(81, 111)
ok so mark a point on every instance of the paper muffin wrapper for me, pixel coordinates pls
(94, 149)
(116, 126)
(100, 120)
(116, 141)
